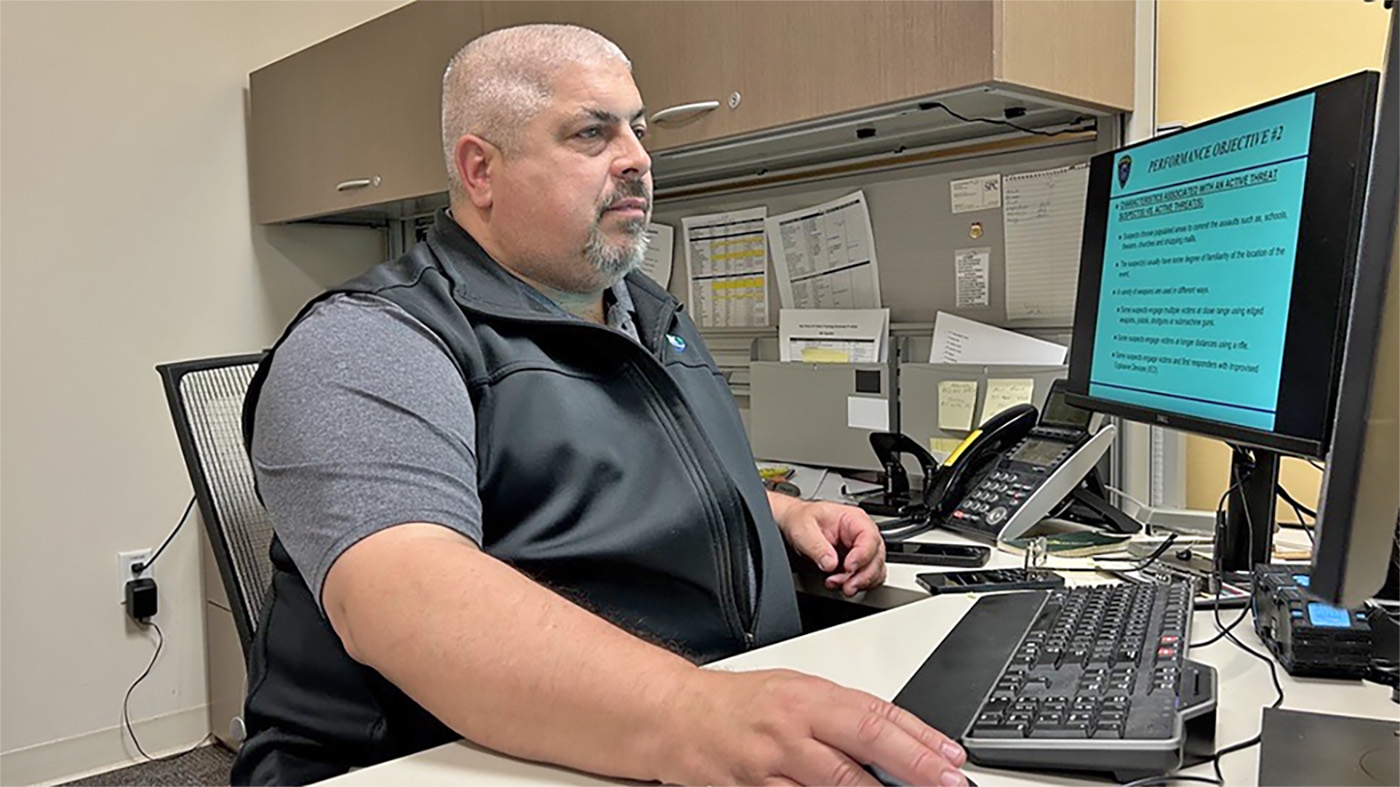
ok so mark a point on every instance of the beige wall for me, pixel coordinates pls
(126, 242)
(1216, 56)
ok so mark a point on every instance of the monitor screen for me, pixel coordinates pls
(1216, 270)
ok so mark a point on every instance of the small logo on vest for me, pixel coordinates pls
(676, 342)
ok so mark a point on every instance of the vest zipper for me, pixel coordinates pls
(746, 604)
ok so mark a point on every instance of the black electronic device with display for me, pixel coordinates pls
(1048, 466)
(1215, 280)
(1310, 638)
(965, 555)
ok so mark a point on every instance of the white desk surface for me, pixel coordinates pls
(881, 652)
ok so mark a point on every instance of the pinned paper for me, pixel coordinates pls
(1006, 393)
(976, 193)
(824, 256)
(1043, 214)
(973, 269)
(863, 412)
(956, 401)
(726, 260)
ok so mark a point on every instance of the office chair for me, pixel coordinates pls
(206, 403)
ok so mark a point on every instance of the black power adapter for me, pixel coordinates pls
(141, 599)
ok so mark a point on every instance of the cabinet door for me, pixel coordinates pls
(679, 51)
(798, 61)
(355, 120)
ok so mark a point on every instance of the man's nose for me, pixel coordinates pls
(632, 161)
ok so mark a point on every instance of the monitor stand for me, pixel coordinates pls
(1247, 534)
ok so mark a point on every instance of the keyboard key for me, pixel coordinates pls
(1009, 731)
(1110, 731)
(1060, 733)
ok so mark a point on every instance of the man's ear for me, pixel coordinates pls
(476, 161)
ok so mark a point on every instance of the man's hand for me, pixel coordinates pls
(777, 727)
(842, 540)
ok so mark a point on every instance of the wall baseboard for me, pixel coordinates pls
(100, 751)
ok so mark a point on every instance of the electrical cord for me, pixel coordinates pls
(144, 566)
(996, 122)
(1115, 490)
(126, 703)
(1278, 700)
(1166, 778)
(1220, 512)
(1303, 526)
(1287, 498)
(1147, 561)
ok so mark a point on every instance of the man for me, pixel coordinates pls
(513, 497)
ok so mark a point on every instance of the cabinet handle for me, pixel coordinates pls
(357, 183)
(681, 111)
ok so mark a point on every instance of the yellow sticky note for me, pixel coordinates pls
(956, 401)
(825, 355)
(1005, 393)
(940, 447)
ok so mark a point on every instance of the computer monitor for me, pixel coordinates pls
(1360, 500)
(1215, 283)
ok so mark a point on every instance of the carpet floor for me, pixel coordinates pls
(203, 767)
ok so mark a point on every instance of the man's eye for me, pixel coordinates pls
(592, 132)
(640, 131)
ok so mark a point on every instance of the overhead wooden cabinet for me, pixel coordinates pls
(719, 69)
(354, 120)
(810, 74)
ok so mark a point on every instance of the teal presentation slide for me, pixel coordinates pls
(1201, 240)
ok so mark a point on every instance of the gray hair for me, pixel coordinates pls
(497, 83)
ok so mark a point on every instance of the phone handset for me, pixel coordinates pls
(946, 488)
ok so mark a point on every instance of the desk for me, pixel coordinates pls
(879, 653)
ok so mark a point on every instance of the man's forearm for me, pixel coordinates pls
(498, 658)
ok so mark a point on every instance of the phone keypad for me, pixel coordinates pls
(997, 496)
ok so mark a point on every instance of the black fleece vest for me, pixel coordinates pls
(618, 475)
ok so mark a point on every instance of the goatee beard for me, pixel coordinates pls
(615, 261)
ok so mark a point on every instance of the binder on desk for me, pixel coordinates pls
(920, 406)
(818, 414)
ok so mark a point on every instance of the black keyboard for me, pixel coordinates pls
(1091, 678)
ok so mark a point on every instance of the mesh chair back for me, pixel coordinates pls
(206, 403)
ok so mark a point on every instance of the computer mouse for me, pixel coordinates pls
(885, 778)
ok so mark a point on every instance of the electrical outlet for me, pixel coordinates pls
(125, 562)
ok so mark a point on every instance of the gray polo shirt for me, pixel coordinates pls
(364, 423)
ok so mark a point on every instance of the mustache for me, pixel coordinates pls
(629, 189)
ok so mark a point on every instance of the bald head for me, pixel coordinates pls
(497, 83)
